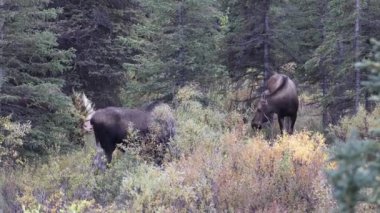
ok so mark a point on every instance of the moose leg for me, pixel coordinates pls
(270, 119)
(105, 141)
(109, 156)
(109, 152)
(293, 121)
(288, 122)
(108, 148)
(281, 123)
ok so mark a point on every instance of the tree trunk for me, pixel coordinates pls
(2, 74)
(266, 42)
(324, 86)
(180, 60)
(357, 54)
(369, 104)
(367, 101)
(322, 69)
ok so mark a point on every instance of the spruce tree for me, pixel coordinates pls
(33, 66)
(248, 50)
(177, 44)
(355, 179)
(346, 28)
(97, 30)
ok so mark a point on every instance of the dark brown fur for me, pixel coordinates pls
(112, 123)
(280, 97)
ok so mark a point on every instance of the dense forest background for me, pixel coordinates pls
(209, 59)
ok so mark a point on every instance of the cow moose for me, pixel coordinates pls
(280, 97)
(111, 124)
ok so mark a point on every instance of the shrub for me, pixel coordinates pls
(197, 124)
(11, 141)
(255, 176)
(219, 167)
(65, 182)
(52, 186)
(238, 175)
(363, 123)
(150, 189)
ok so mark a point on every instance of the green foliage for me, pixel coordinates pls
(373, 65)
(355, 179)
(106, 187)
(30, 46)
(177, 44)
(51, 115)
(97, 30)
(11, 141)
(331, 64)
(243, 46)
(34, 66)
(372, 84)
(146, 191)
(197, 124)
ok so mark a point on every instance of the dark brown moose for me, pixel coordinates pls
(112, 124)
(280, 97)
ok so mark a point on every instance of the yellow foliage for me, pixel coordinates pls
(238, 174)
(363, 123)
(304, 147)
(51, 187)
(251, 174)
(187, 93)
(27, 200)
(84, 206)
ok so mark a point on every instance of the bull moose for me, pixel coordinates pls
(280, 97)
(111, 124)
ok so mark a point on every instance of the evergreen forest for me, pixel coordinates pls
(208, 62)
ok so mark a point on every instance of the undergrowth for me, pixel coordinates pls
(212, 164)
